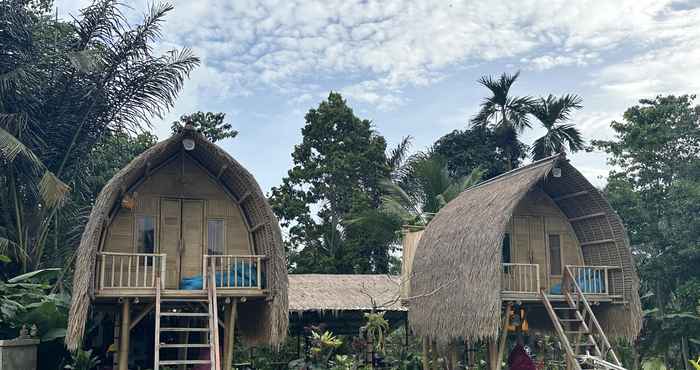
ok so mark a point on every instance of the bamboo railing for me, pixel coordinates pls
(130, 270)
(520, 278)
(235, 271)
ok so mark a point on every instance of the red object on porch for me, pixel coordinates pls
(519, 360)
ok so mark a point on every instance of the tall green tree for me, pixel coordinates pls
(553, 112)
(476, 147)
(506, 114)
(655, 187)
(336, 177)
(210, 124)
(64, 88)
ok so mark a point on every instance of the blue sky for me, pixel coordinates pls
(411, 66)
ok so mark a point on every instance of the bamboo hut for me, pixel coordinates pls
(182, 233)
(539, 241)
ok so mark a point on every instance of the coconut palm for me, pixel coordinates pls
(423, 187)
(552, 112)
(64, 88)
(506, 114)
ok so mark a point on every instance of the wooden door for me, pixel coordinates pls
(181, 238)
(192, 238)
(529, 245)
(170, 224)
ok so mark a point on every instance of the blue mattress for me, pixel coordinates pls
(590, 281)
(241, 276)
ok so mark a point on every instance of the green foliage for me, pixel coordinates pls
(552, 112)
(28, 300)
(466, 150)
(655, 187)
(421, 186)
(210, 124)
(508, 115)
(376, 329)
(83, 360)
(336, 178)
(323, 347)
(67, 89)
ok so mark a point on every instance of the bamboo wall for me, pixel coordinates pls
(181, 196)
(534, 219)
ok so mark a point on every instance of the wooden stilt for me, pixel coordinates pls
(229, 333)
(124, 335)
(434, 356)
(425, 358)
(502, 339)
(493, 354)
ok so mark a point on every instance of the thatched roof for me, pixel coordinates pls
(455, 286)
(322, 292)
(272, 321)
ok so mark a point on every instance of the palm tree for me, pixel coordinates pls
(507, 115)
(423, 186)
(64, 88)
(552, 112)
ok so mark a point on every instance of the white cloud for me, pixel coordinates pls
(382, 46)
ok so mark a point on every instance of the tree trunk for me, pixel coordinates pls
(685, 352)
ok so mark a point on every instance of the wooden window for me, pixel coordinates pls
(215, 236)
(555, 254)
(145, 234)
(505, 249)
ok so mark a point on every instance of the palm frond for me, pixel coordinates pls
(398, 154)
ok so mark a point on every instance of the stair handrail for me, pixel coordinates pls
(560, 331)
(156, 345)
(581, 298)
(213, 318)
(601, 363)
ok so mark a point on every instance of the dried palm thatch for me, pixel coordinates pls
(322, 292)
(271, 319)
(455, 286)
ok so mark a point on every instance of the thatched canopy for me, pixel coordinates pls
(323, 292)
(272, 318)
(455, 286)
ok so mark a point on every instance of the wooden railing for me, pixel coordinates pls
(130, 270)
(520, 278)
(576, 298)
(593, 279)
(236, 271)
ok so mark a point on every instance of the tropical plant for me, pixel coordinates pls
(422, 186)
(552, 112)
(506, 114)
(210, 124)
(376, 329)
(83, 360)
(323, 347)
(64, 88)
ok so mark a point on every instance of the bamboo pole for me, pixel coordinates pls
(424, 358)
(124, 335)
(229, 332)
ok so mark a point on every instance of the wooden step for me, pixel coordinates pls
(183, 345)
(577, 332)
(565, 308)
(569, 320)
(185, 314)
(185, 362)
(184, 329)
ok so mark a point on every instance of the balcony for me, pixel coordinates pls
(522, 281)
(136, 275)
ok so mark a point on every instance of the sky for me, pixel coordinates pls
(411, 66)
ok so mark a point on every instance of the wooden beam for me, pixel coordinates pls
(424, 358)
(586, 217)
(256, 227)
(229, 333)
(124, 335)
(244, 197)
(601, 241)
(141, 315)
(570, 195)
(504, 336)
(221, 171)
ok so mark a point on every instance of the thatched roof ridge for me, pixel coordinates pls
(273, 317)
(326, 292)
(455, 284)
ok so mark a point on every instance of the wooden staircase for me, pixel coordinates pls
(585, 344)
(187, 317)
